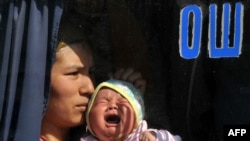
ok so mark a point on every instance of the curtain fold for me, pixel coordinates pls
(28, 31)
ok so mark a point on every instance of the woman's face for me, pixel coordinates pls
(111, 117)
(71, 86)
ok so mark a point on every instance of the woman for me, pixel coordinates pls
(71, 87)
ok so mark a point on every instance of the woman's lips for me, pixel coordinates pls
(81, 107)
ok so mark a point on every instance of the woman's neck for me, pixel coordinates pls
(52, 132)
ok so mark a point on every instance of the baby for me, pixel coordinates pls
(116, 112)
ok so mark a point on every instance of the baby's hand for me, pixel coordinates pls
(147, 136)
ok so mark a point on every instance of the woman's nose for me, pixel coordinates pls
(87, 86)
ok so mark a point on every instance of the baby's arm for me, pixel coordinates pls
(147, 136)
(158, 135)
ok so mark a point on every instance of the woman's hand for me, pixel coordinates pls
(131, 76)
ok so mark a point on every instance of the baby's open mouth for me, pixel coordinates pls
(115, 119)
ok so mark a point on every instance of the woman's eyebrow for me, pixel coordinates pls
(74, 66)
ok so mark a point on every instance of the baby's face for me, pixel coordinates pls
(111, 117)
